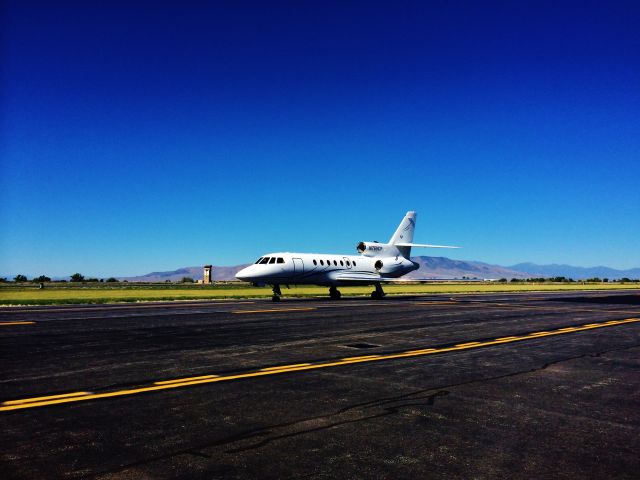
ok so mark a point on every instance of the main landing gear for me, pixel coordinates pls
(276, 293)
(334, 293)
(378, 293)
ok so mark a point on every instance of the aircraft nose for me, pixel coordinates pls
(243, 274)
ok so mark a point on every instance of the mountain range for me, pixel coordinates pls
(430, 267)
(577, 273)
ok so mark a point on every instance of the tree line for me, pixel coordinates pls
(568, 280)
(76, 278)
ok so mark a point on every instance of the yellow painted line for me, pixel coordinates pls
(49, 397)
(424, 350)
(284, 367)
(4, 324)
(269, 310)
(86, 396)
(182, 380)
(362, 357)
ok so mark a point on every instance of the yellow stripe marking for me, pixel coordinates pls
(363, 357)
(49, 397)
(86, 396)
(182, 380)
(424, 350)
(3, 324)
(284, 367)
(275, 310)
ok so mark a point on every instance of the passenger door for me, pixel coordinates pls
(298, 266)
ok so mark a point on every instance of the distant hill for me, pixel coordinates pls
(577, 273)
(430, 267)
(442, 267)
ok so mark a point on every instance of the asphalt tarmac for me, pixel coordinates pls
(535, 385)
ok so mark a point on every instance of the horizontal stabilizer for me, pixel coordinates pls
(423, 245)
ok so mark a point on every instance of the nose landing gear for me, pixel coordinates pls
(276, 293)
(334, 293)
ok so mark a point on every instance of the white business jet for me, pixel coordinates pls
(377, 263)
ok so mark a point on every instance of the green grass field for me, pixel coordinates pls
(69, 294)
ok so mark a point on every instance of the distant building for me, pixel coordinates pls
(207, 275)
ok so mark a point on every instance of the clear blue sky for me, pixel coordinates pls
(150, 136)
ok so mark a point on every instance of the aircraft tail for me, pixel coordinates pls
(404, 234)
(403, 238)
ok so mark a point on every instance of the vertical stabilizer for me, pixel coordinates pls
(404, 233)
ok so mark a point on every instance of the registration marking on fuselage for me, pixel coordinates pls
(73, 397)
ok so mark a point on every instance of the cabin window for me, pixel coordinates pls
(258, 261)
(335, 263)
(321, 262)
(348, 263)
(315, 263)
(264, 260)
(272, 260)
(341, 264)
(280, 260)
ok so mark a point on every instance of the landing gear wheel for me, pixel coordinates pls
(378, 293)
(275, 298)
(334, 293)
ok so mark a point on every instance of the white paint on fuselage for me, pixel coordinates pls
(299, 269)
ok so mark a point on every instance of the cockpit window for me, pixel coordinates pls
(272, 260)
(264, 260)
(258, 261)
(280, 260)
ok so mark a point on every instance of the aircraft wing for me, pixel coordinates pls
(359, 277)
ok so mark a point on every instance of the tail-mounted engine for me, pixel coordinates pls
(375, 249)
